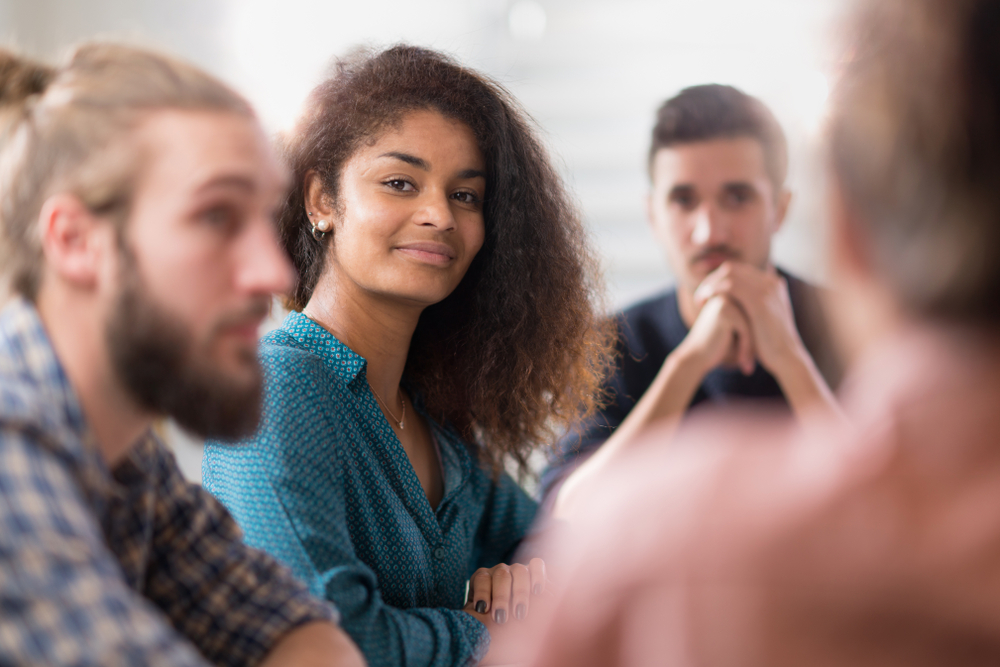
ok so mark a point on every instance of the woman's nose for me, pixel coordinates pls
(435, 211)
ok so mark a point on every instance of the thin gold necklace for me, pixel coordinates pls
(401, 420)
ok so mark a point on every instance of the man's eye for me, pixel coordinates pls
(684, 200)
(737, 197)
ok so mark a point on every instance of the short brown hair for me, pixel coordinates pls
(71, 137)
(915, 145)
(714, 111)
(518, 348)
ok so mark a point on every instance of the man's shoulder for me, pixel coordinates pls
(25, 410)
(650, 326)
(800, 288)
(649, 308)
(813, 324)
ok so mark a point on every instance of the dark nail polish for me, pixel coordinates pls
(500, 615)
(520, 612)
(538, 589)
(481, 607)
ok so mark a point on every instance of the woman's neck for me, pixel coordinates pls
(376, 328)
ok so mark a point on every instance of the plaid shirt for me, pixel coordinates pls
(132, 566)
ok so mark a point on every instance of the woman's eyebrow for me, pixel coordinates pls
(420, 163)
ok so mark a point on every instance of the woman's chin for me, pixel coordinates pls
(416, 296)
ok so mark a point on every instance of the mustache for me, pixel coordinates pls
(256, 310)
(723, 250)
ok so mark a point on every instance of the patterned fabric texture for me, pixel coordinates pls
(326, 486)
(126, 567)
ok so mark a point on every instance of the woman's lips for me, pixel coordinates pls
(438, 254)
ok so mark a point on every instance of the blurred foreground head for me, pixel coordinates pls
(137, 210)
(915, 147)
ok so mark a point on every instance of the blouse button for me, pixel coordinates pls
(439, 553)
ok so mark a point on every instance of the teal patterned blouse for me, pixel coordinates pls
(326, 487)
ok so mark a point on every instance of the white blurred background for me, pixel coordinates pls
(590, 72)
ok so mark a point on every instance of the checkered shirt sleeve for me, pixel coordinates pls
(173, 581)
(63, 600)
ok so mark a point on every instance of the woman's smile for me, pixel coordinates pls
(428, 252)
(410, 217)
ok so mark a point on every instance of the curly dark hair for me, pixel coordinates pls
(519, 348)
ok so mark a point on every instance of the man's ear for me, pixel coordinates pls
(74, 240)
(781, 204)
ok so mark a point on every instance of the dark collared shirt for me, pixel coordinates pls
(647, 333)
(132, 566)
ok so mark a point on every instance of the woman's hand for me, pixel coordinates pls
(496, 594)
(504, 590)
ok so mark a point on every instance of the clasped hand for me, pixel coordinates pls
(745, 316)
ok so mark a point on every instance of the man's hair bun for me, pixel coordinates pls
(20, 80)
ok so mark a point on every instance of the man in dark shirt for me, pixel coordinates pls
(735, 326)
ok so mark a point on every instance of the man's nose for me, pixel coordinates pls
(263, 265)
(709, 226)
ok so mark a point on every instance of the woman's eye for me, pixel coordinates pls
(467, 197)
(400, 184)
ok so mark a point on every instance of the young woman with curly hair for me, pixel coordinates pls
(442, 323)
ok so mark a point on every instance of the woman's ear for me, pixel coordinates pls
(317, 203)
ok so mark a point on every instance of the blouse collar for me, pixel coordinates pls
(344, 361)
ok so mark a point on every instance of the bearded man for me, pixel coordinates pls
(138, 236)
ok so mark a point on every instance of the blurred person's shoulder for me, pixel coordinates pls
(680, 515)
(726, 482)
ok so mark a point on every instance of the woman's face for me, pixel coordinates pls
(410, 215)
